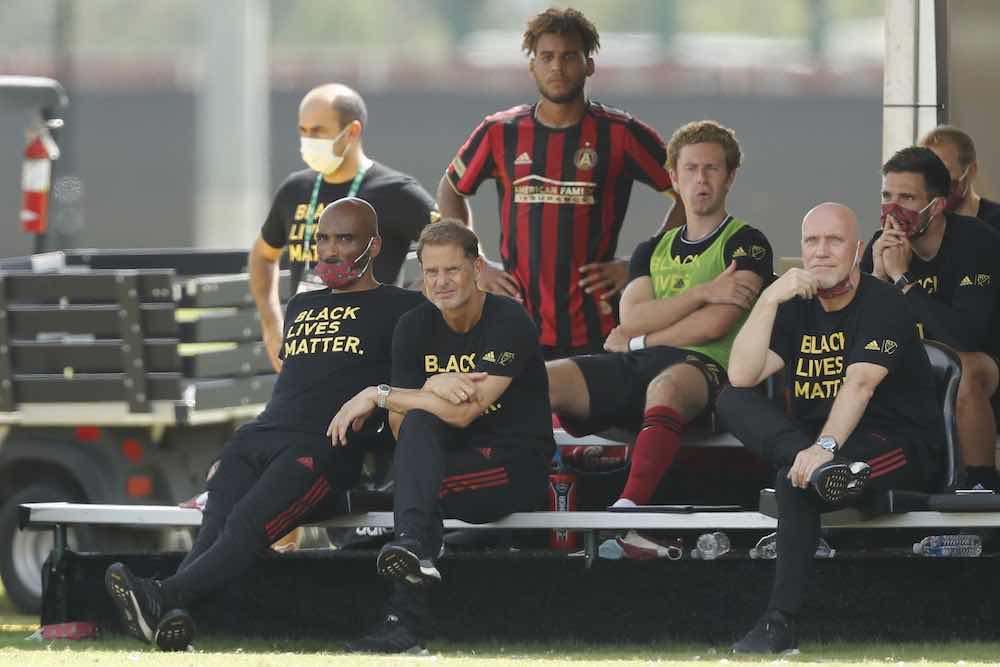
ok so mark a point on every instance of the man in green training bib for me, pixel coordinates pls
(689, 291)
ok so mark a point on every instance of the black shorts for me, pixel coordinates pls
(617, 382)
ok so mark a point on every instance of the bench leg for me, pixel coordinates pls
(58, 544)
(589, 547)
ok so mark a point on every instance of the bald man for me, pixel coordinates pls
(279, 470)
(332, 121)
(864, 414)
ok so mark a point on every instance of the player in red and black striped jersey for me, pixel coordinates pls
(564, 169)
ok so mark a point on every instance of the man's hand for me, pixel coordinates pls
(352, 414)
(605, 278)
(896, 252)
(616, 341)
(494, 279)
(792, 283)
(891, 236)
(806, 462)
(456, 388)
(728, 288)
(271, 333)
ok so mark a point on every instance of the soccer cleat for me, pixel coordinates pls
(639, 547)
(773, 633)
(838, 480)
(175, 631)
(400, 559)
(138, 600)
(391, 636)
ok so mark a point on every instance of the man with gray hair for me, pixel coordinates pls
(864, 413)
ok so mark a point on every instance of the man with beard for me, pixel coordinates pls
(332, 120)
(279, 471)
(958, 152)
(564, 169)
(863, 415)
(944, 264)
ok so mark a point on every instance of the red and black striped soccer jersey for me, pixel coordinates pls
(562, 194)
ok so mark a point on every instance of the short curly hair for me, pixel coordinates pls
(562, 22)
(705, 131)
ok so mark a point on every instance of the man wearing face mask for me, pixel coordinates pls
(279, 470)
(863, 402)
(332, 120)
(958, 152)
(945, 265)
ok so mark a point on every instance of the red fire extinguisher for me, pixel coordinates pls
(36, 178)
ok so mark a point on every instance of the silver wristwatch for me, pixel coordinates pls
(382, 394)
(828, 442)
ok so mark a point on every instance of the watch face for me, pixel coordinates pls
(827, 443)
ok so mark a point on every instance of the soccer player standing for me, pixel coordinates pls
(564, 169)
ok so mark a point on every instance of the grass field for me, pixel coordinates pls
(222, 652)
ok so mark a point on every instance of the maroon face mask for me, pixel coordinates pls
(907, 219)
(957, 194)
(338, 275)
(845, 285)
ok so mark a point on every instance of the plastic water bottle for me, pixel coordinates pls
(950, 546)
(610, 550)
(711, 546)
(767, 548)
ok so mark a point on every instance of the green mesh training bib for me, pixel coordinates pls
(671, 277)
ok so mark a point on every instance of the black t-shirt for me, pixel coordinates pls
(748, 247)
(504, 343)
(989, 212)
(877, 328)
(334, 345)
(955, 298)
(402, 205)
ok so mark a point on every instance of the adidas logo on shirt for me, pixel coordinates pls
(873, 345)
(739, 252)
(523, 158)
(489, 356)
(966, 281)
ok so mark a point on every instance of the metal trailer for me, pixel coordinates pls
(122, 374)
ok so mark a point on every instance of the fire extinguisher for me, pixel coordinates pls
(36, 178)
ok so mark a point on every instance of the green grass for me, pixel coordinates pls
(226, 652)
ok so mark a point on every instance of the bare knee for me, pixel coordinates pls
(682, 388)
(980, 376)
(568, 393)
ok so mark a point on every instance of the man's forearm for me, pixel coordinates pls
(657, 314)
(403, 400)
(451, 204)
(748, 356)
(706, 324)
(848, 408)
(264, 288)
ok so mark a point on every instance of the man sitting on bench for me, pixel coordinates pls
(279, 471)
(945, 265)
(469, 404)
(690, 288)
(863, 401)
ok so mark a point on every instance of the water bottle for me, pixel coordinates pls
(711, 546)
(950, 546)
(767, 548)
(610, 550)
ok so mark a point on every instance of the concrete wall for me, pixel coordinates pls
(136, 152)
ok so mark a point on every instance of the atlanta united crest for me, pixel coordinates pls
(585, 159)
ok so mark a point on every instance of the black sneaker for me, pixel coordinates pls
(772, 634)
(139, 601)
(400, 559)
(175, 631)
(838, 480)
(391, 636)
